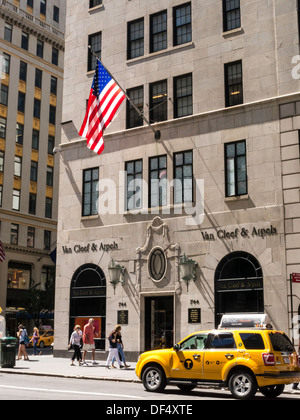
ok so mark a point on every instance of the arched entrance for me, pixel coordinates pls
(238, 285)
(88, 300)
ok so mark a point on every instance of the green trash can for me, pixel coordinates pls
(8, 352)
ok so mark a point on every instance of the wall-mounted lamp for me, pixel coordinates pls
(187, 269)
(116, 274)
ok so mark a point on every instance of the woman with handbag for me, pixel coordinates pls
(75, 342)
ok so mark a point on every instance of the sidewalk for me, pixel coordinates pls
(59, 367)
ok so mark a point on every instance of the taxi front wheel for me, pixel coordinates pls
(154, 379)
(242, 385)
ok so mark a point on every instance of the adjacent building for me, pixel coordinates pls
(31, 53)
(165, 235)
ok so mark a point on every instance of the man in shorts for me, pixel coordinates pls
(88, 341)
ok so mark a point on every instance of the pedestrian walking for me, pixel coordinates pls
(23, 342)
(75, 342)
(113, 350)
(120, 347)
(34, 340)
(88, 341)
(295, 386)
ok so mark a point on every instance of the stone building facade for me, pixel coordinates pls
(31, 59)
(219, 189)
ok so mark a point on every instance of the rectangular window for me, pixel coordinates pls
(49, 178)
(30, 237)
(37, 108)
(2, 128)
(47, 239)
(30, 3)
(3, 95)
(23, 71)
(158, 101)
(56, 14)
(48, 208)
(183, 96)
(40, 48)
(90, 192)
(54, 56)
(32, 203)
(95, 41)
(19, 133)
(21, 102)
(16, 200)
(33, 171)
(231, 14)
(52, 114)
(158, 181)
(183, 177)
(25, 41)
(182, 24)
(233, 84)
(1, 192)
(51, 141)
(8, 32)
(18, 166)
(14, 234)
(1, 161)
(5, 63)
(158, 32)
(38, 78)
(134, 190)
(18, 277)
(135, 39)
(94, 3)
(236, 168)
(35, 139)
(43, 6)
(137, 97)
(53, 85)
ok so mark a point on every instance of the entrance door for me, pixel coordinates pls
(159, 322)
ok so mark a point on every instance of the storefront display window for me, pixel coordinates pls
(18, 278)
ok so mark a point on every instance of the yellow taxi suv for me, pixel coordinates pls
(46, 339)
(244, 354)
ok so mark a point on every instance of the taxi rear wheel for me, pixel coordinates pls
(154, 379)
(242, 385)
(272, 391)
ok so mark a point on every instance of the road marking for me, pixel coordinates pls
(59, 391)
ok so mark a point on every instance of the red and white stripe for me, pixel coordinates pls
(100, 112)
(2, 253)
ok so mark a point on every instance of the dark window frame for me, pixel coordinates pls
(158, 171)
(176, 27)
(158, 108)
(235, 158)
(135, 175)
(228, 11)
(159, 31)
(139, 40)
(133, 119)
(88, 199)
(182, 178)
(181, 99)
(233, 90)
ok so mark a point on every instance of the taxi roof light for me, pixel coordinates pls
(239, 321)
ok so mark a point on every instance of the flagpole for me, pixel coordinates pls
(157, 133)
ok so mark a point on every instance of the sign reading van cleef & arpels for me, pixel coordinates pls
(254, 232)
(90, 248)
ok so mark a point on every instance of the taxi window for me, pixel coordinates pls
(252, 341)
(223, 341)
(195, 342)
(281, 342)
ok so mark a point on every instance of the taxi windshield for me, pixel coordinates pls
(197, 341)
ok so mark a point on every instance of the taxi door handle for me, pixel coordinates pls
(196, 356)
(229, 356)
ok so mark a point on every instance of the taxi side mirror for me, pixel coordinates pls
(176, 347)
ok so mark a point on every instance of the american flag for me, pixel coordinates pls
(104, 101)
(2, 253)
